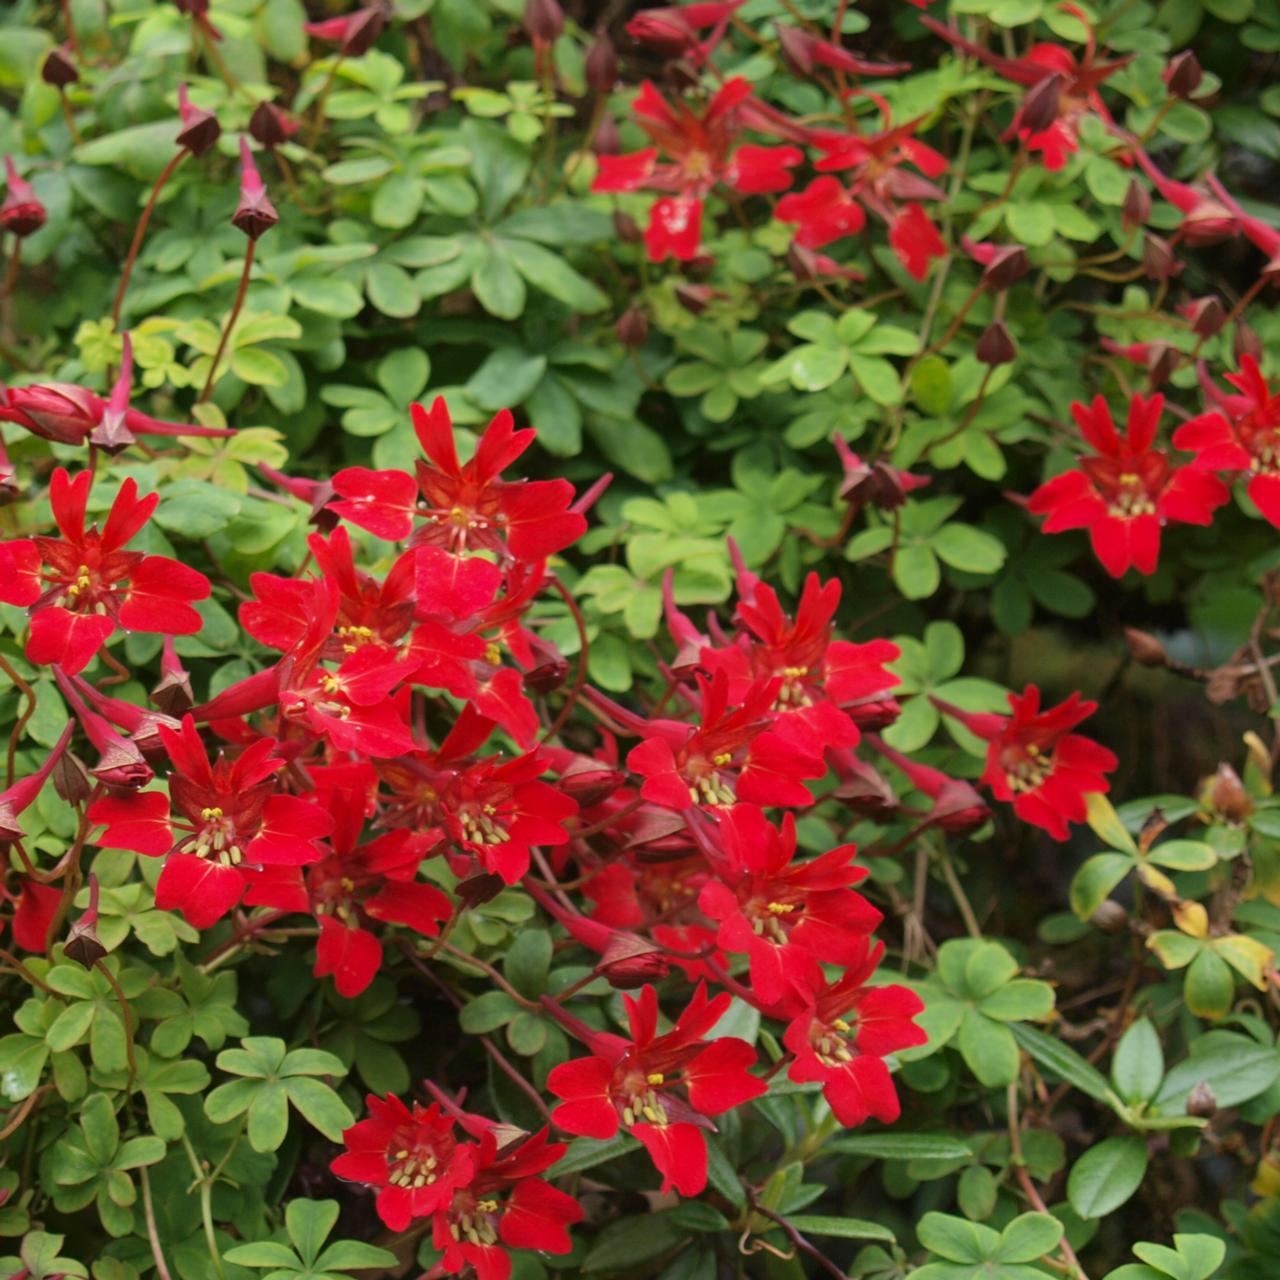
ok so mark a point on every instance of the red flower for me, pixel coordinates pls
(1126, 492)
(825, 211)
(84, 585)
(1035, 760)
(233, 817)
(633, 1082)
(34, 913)
(467, 507)
(701, 154)
(822, 680)
(412, 1157)
(1242, 434)
(505, 1203)
(841, 1034)
(353, 885)
(784, 914)
(732, 755)
(915, 240)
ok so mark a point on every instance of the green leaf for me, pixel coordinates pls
(817, 1224)
(916, 572)
(551, 274)
(956, 1239)
(497, 285)
(391, 289)
(1210, 986)
(1106, 824)
(964, 547)
(1094, 881)
(1137, 1067)
(268, 1116)
(629, 1241)
(877, 377)
(1064, 1062)
(99, 1127)
(1106, 1176)
(308, 1223)
(989, 1049)
(319, 1105)
(901, 1146)
(1024, 999)
(265, 1253)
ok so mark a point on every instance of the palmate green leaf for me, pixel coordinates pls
(551, 274)
(988, 1048)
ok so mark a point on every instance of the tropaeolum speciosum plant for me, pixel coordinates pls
(583, 591)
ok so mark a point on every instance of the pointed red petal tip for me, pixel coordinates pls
(200, 129)
(255, 214)
(112, 431)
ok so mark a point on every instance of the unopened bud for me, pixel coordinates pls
(1202, 1101)
(71, 779)
(1008, 265)
(1246, 342)
(1136, 209)
(269, 126)
(1040, 107)
(1158, 259)
(633, 327)
(200, 129)
(547, 677)
(627, 227)
(797, 48)
(58, 69)
(476, 890)
(1206, 315)
(83, 944)
(1110, 917)
(629, 961)
(1145, 649)
(694, 298)
(544, 20)
(602, 65)
(172, 694)
(996, 346)
(255, 214)
(606, 141)
(1182, 76)
(589, 783)
(22, 211)
(1228, 796)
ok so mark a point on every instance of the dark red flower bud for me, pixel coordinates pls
(111, 433)
(172, 694)
(355, 34)
(57, 411)
(71, 779)
(547, 677)
(1206, 315)
(627, 228)
(602, 65)
(1041, 105)
(543, 20)
(269, 126)
(606, 141)
(629, 961)
(1009, 263)
(995, 346)
(1158, 259)
(683, 75)
(633, 326)
(1246, 342)
(255, 214)
(1182, 76)
(589, 783)
(696, 298)
(22, 212)
(83, 944)
(1136, 209)
(1228, 796)
(476, 890)
(200, 129)
(796, 47)
(874, 483)
(58, 68)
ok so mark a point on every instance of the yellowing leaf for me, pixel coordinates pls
(1247, 956)
(1191, 918)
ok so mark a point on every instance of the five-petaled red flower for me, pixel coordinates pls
(1128, 491)
(634, 1082)
(1241, 434)
(1035, 760)
(841, 1033)
(81, 587)
(701, 152)
(781, 912)
(412, 1157)
(466, 506)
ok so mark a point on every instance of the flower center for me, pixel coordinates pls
(353, 637)
(832, 1045)
(792, 696)
(216, 839)
(1027, 772)
(709, 785)
(1131, 499)
(412, 1168)
(478, 826)
(767, 920)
